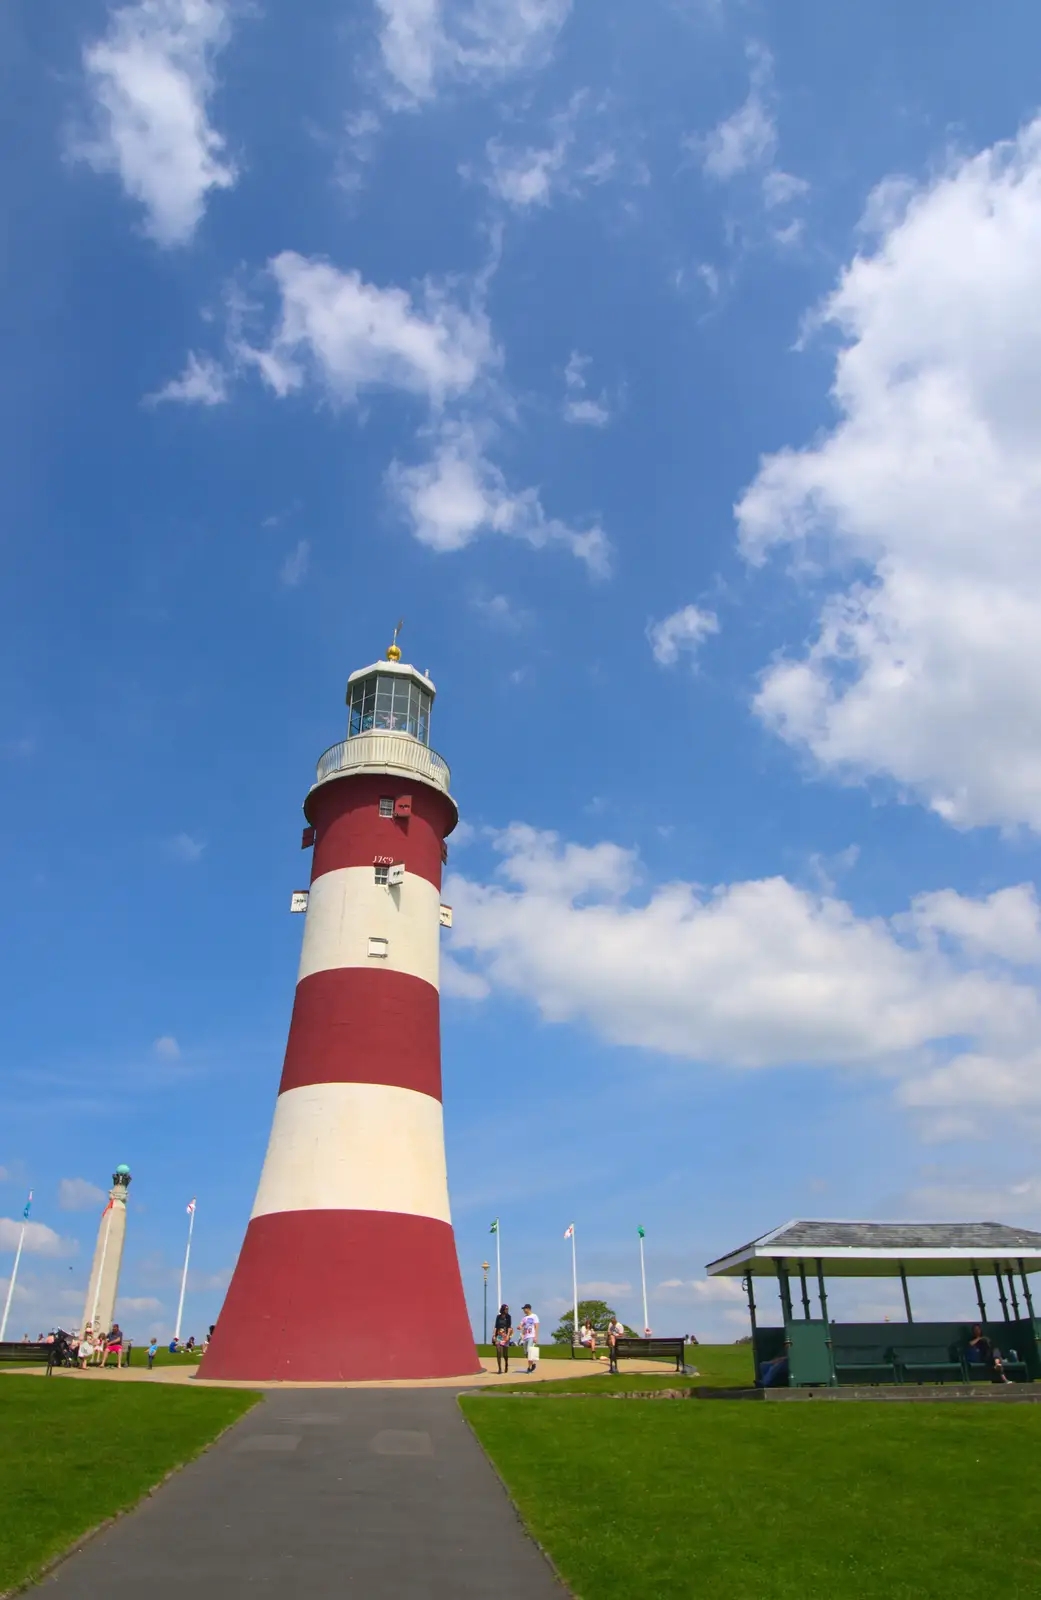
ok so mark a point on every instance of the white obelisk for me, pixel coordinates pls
(100, 1306)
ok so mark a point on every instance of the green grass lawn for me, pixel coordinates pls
(720, 1366)
(662, 1500)
(73, 1454)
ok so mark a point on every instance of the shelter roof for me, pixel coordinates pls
(879, 1249)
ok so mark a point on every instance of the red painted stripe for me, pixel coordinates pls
(351, 832)
(356, 1025)
(323, 1296)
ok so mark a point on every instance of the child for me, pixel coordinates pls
(152, 1348)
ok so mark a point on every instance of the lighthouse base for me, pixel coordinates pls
(335, 1296)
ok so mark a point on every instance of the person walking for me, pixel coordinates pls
(501, 1337)
(530, 1334)
(152, 1348)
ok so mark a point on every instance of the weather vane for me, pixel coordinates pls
(394, 654)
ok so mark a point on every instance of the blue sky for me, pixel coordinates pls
(672, 369)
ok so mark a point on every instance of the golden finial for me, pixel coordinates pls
(394, 654)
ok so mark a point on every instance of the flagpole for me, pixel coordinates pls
(498, 1269)
(574, 1279)
(643, 1282)
(184, 1274)
(10, 1286)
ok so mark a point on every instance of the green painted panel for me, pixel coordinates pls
(809, 1354)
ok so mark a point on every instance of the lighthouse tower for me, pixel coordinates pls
(348, 1269)
(99, 1309)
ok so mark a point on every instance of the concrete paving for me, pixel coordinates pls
(374, 1494)
(551, 1371)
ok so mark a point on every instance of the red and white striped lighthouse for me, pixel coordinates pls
(348, 1269)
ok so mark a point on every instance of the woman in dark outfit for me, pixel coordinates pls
(502, 1336)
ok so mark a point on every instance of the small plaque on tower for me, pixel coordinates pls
(298, 900)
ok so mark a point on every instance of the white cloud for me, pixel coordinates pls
(533, 174)
(754, 974)
(459, 984)
(349, 335)
(5, 1175)
(707, 1291)
(184, 847)
(744, 145)
(977, 1202)
(928, 670)
(76, 1194)
(457, 493)
(167, 1048)
(203, 382)
(137, 1303)
(579, 406)
(684, 631)
(1007, 924)
(151, 79)
(294, 567)
(782, 188)
(39, 1239)
(427, 44)
(747, 138)
(500, 611)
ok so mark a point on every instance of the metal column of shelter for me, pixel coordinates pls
(1001, 1291)
(979, 1295)
(907, 1297)
(1026, 1288)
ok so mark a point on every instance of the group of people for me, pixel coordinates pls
(503, 1338)
(94, 1348)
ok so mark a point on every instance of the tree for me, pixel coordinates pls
(598, 1312)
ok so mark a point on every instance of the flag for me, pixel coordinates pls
(570, 1234)
(28, 1206)
(641, 1233)
(108, 1208)
(494, 1227)
(190, 1207)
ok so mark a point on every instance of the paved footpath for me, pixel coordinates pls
(374, 1494)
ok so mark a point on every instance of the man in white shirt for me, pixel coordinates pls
(529, 1329)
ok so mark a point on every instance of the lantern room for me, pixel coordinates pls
(389, 697)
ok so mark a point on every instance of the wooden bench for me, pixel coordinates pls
(647, 1349)
(29, 1355)
(921, 1360)
(598, 1344)
(852, 1359)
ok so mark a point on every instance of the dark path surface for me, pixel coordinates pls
(375, 1493)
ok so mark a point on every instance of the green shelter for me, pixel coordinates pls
(800, 1256)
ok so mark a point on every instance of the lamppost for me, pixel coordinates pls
(484, 1268)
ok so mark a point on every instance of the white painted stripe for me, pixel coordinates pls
(355, 1147)
(348, 907)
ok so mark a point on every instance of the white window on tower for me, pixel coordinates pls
(387, 805)
(381, 874)
(378, 948)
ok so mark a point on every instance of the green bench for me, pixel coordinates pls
(982, 1372)
(29, 1355)
(853, 1359)
(922, 1363)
